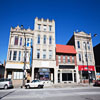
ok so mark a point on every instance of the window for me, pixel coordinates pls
(79, 57)
(78, 44)
(73, 60)
(90, 57)
(50, 27)
(84, 45)
(44, 54)
(18, 75)
(59, 59)
(50, 40)
(15, 55)
(27, 56)
(44, 27)
(10, 54)
(16, 40)
(64, 59)
(86, 57)
(20, 41)
(68, 59)
(19, 57)
(28, 42)
(38, 40)
(88, 45)
(44, 39)
(50, 54)
(39, 26)
(38, 53)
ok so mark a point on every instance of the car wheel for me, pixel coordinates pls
(27, 86)
(6, 87)
(39, 86)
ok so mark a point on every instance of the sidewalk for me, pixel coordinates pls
(71, 85)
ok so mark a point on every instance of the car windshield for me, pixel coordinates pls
(35, 81)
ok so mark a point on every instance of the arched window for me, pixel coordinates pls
(38, 39)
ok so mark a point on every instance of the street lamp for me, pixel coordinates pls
(87, 57)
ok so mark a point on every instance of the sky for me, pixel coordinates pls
(69, 16)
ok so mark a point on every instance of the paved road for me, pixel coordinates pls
(80, 93)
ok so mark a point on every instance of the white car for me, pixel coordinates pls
(34, 83)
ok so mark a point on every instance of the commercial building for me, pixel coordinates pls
(66, 64)
(44, 63)
(19, 46)
(97, 61)
(85, 56)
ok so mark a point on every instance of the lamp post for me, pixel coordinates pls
(87, 57)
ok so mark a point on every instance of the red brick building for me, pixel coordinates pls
(66, 63)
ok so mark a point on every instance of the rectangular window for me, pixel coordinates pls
(50, 54)
(86, 57)
(38, 39)
(68, 58)
(39, 26)
(73, 60)
(50, 27)
(18, 75)
(88, 45)
(27, 42)
(79, 57)
(44, 39)
(19, 57)
(20, 41)
(15, 55)
(50, 40)
(38, 53)
(16, 40)
(64, 59)
(84, 45)
(10, 54)
(78, 44)
(59, 59)
(44, 54)
(44, 27)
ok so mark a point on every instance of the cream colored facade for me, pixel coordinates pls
(45, 44)
(44, 28)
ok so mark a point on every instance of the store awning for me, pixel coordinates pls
(85, 68)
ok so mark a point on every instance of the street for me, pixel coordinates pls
(79, 93)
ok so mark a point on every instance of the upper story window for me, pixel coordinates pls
(79, 57)
(19, 56)
(88, 45)
(39, 26)
(78, 44)
(73, 59)
(28, 42)
(44, 27)
(68, 58)
(50, 27)
(90, 57)
(59, 59)
(44, 39)
(38, 39)
(64, 60)
(20, 41)
(15, 55)
(16, 40)
(10, 54)
(38, 53)
(86, 58)
(50, 54)
(84, 45)
(50, 39)
(44, 54)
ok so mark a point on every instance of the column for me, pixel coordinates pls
(55, 76)
(60, 77)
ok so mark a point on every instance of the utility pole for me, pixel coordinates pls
(24, 69)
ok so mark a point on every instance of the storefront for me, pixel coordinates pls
(46, 74)
(86, 73)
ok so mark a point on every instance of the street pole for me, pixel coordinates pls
(24, 69)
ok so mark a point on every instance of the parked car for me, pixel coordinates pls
(34, 83)
(6, 83)
(97, 83)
